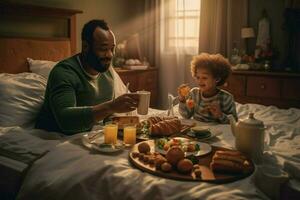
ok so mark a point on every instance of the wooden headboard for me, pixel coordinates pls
(15, 49)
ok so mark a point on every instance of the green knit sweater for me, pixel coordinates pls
(70, 95)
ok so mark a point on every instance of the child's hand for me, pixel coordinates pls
(183, 91)
(215, 110)
(190, 103)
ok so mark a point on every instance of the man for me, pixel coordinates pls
(80, 89)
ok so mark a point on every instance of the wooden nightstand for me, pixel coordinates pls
(267, 88)
(141, 80)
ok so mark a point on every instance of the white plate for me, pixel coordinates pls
(214, 132)
(95, 141)
(143, 137)
(108, 148)
(204, 148)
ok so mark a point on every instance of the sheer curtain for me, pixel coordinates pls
(151, 35)
(179, 42)
(221, 22)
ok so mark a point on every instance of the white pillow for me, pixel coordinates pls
(41, 67)
(21, 97)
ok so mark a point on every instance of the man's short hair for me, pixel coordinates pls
(89, 28)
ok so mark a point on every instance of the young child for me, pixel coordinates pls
(207, 102)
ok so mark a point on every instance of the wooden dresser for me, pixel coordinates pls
(141, 80)
(267, 88)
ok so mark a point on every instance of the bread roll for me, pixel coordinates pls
(166, 167)
(144, 147)
(238, 159)
(230, 161)
(185, 166)
(174, 155)
(166, 127)
(229, 167)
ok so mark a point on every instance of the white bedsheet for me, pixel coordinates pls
(26, 145)
(70, 171)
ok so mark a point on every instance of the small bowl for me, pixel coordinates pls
(201, 132)
(200, 129)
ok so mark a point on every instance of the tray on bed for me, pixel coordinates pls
(207, 175)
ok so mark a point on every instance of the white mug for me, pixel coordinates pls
(269, 179)
(144, 102)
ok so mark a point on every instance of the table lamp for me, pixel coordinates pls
(247, 33)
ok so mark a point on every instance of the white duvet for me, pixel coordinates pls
(71, 171)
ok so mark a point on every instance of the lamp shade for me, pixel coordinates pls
(247, 33)
(133, 49)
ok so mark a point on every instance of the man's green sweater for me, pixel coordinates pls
(70, 95)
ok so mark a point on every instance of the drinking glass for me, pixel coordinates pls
(110, 133)
(129, 135)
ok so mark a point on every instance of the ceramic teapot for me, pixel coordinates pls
(249, 136)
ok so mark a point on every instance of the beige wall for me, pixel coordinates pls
(124, 16)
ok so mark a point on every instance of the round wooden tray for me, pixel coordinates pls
(207, 174)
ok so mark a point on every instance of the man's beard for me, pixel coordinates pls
(96, 63)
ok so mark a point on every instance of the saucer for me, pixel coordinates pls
(108, 148)
(96, 142)
(203, 133)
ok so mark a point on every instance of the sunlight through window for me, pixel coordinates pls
(182, 24)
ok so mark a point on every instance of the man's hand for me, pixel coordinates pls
(125, 103)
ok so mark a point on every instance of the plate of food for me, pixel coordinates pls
(95, 141)
(190, 147)
(220, 166)
(203, 132)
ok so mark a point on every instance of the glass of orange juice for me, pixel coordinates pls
(110, 133)
(129, 135)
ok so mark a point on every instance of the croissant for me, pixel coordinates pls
(166, 127)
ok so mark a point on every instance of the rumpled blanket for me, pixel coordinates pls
(71, 171)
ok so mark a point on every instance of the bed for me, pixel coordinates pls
(35, 164)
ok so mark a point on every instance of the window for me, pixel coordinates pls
(181, 24)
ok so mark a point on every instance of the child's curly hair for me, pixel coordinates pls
(215, 63)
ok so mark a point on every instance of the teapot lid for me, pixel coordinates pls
(251, 121)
